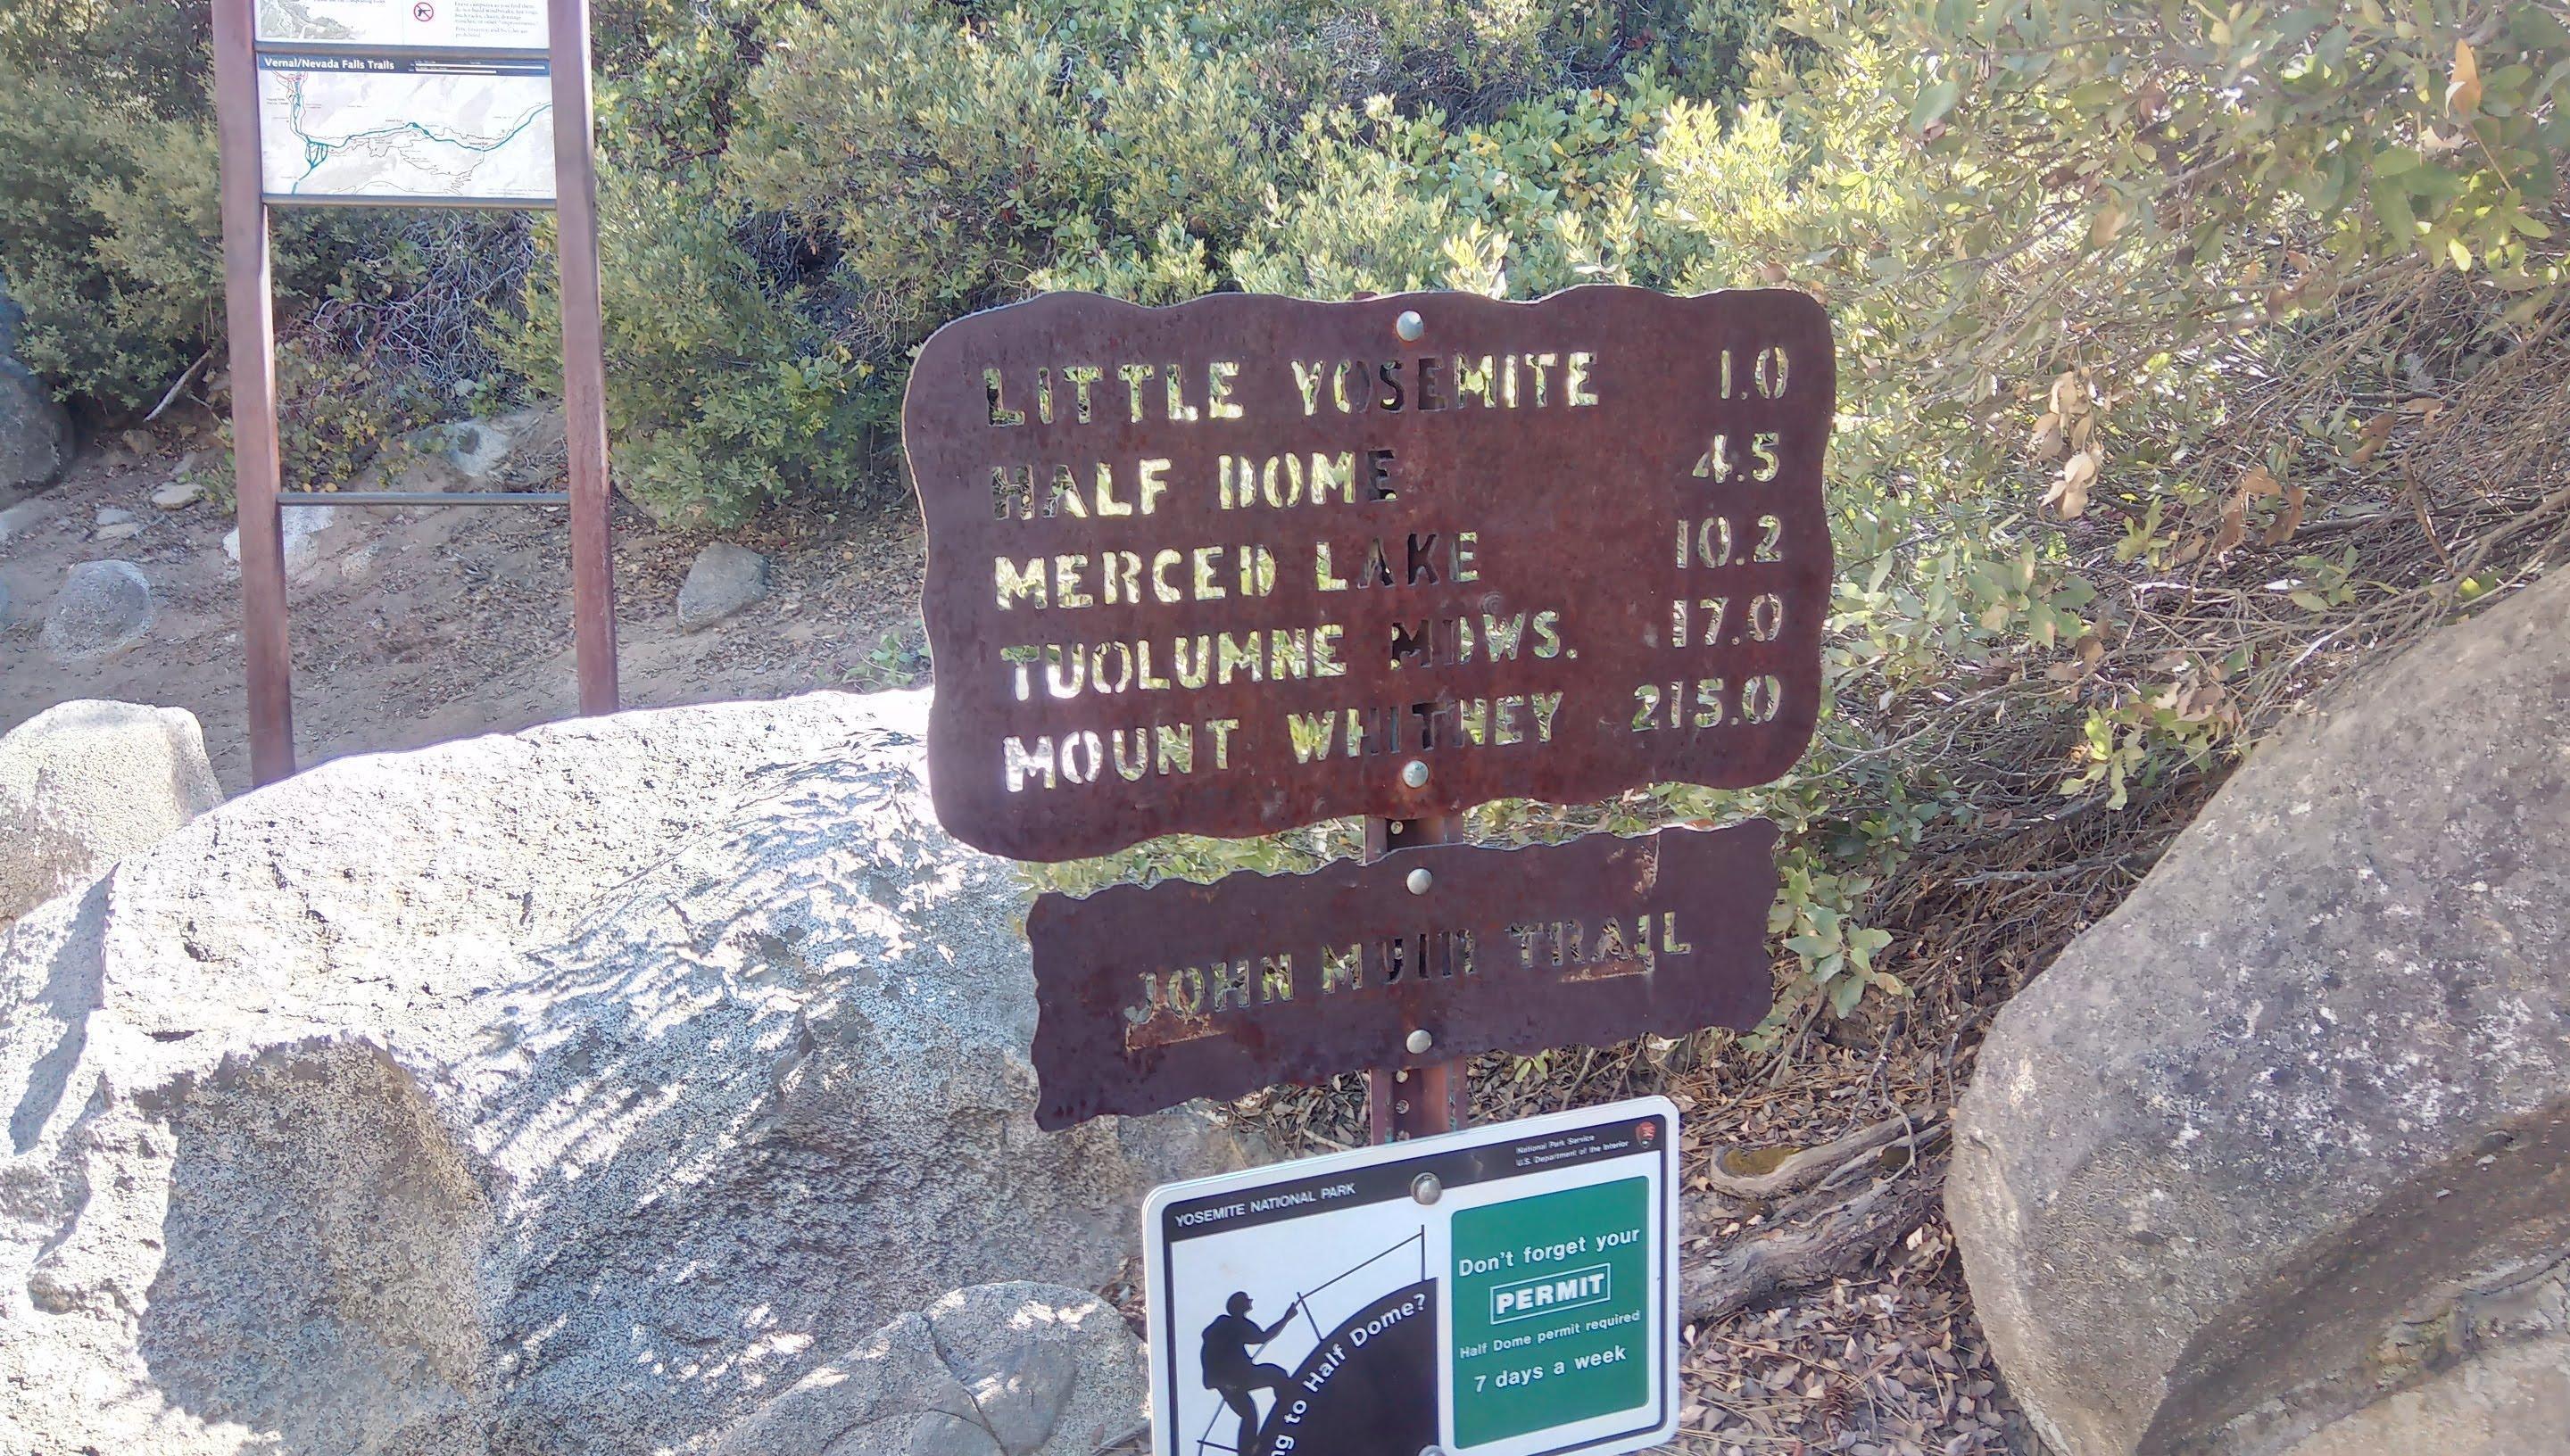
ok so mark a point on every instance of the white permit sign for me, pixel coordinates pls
(1507, 1290)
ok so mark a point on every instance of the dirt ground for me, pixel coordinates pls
(460, 623)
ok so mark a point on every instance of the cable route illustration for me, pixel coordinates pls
(356, 129)
(1302, 1304)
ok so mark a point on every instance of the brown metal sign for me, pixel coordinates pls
(1249, 562)
(1151, 995)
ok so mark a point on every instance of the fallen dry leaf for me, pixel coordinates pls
(2070, 491)
(2046, 444)
(2235, 526)
(2287, 521)
(2110, 218)
(2463, 93)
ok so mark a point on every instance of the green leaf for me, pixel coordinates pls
(2536, 28)
(1845, 994)
(1932, 103)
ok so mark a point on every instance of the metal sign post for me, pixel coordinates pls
(593, 557)
(359, 103)
(251, 330)
(1403, 1102)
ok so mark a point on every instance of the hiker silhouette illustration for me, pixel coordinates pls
(1230, 1371)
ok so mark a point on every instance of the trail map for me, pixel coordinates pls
(379, 128)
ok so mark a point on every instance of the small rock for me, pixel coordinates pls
(462, 455)
(313, 534)
(21, 519)
(35, 434)
(476, 447)
(103, 607)
(84, 784)
(116, 531)
(537, 449)
(724, 579)
(113, 515)
(179, 495)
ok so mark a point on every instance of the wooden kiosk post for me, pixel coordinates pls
(414, 58)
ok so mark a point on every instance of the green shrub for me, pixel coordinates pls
(816, 188)
(98, 239)
(726, 394)
(2131, 300)
(2120, 293)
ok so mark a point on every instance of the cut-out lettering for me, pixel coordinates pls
(1765, 617)
(1080, 377)
(1720, 462)
(1761, 698)
(1705, 702)
(1013, 492)
(1133, 375)
(1218, 378)
(1575, 380)
(1769, 374)
(999, 413)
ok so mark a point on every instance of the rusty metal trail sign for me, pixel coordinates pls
(1153, 995)
(1251, 563)
(1246, 563)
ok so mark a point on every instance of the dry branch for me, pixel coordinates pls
(1822, 1235)
(1806, 1168)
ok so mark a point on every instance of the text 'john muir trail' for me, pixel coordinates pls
(1171, 1003)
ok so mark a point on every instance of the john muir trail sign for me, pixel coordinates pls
(1216, 990)
(1235, 565)
(1246, 563)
